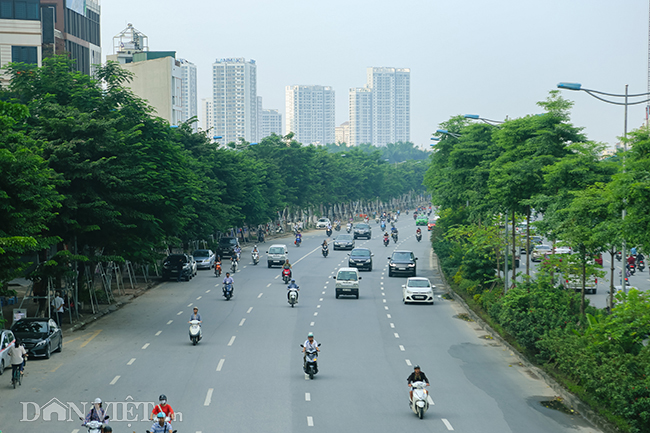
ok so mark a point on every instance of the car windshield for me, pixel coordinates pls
(229, 241)
(323, 220)
(201, 253)
(175, 258)
(542, 247)
(402, 256)
(347, 276)
(344, 238)
(419, 283)
(276, 250)
(360, 253)
(363, 226)
(31, 327)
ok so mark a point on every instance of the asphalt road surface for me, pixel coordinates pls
(246, 373)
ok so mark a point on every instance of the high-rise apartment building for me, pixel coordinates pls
(234, 98)
(310, 113)
(388, 91)
(188, 91)
(342, 133)
(271, 123)
(205, 114)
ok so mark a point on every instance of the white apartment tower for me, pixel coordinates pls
(188, 91)
(271, 122)
(388, 93)
(310, 113)
(205, 115)
(234, 99)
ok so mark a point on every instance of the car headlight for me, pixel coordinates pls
(40, 343)
(410, 265)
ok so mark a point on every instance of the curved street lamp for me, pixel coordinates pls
(484, 120)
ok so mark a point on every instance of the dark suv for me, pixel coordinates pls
(360, 258)
(226, 247)
(173, 262)
(402, 262)
(362, 230)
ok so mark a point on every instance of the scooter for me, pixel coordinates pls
(217, 269)
(349, 228)
(298, 241)
(311, 362)
(260, 237)
(286, 275)
(195, 331)
(94, 426)
(386, 241)
(233, 266)
(337, 227)
(329, 232)
(326, 251)
(641, 265)
(418, 237)
(394, 237)
(256, 257)
(227, 291)
(172, 431)
(383, 226)
(631, 267)
(293, 296)
(618, 256)
(420, 403)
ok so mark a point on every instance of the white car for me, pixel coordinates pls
(540, 252)
(562, 250)
(417, 290)
(7, 341)
(323, 223)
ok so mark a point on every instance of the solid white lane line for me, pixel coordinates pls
(307, 396)
(401, 348)
(170, 322)
(312, 324)
(208, 397)
(310, 421)
(208, 291)
(268, 285)
(321, 299)
(242, 322)
(220, 364)
(392, 325)
(158, 333)
(396, 335)
(317, 306)
(408, 362)
(114, 381)
(260, 295)
(199, 298)
(232, 340)
(316, 313)
(131, 361)
(179, 313)
(190, 304)
(145, 346)
(449, 427)
(249, 310)
(388, 315)
(430, 400)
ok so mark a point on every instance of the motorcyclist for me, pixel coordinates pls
(260, 235)
(416, 376)
(217, 266)
(292, 285)
(309, 345)
(255, 250)
(286, 265)
(97, 413)
(385, 236)
(161, 426)
(418, 232)
(194, 316)
(229, 280)
(233, 263)
(631, 260)
(163, 408)
(640, 257)
(298, 237)
(348, 226)
(237, 251)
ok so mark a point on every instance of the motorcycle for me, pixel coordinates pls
(383, 225)
(293, 296)
(631, 267)
(618, 256)
(172, 431)
(256, 257)
(195, 331)
(298, 241)
(286, 275)
(349, 228)
(386, 241)
(94, 426)
(641, 265)
(337, 227)
(326, 251)
(217, 269)
(420, 402)
(310, 365)
(377, 220)
(418, 237)
(260, 237)
(228, 290)
(329, 232)
(394, 237)
(233, 266)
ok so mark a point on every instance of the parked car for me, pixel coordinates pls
(277, 255)
(563, 250)
(539, 252)
(360, 258)
(41, 336)
(226, 247)
(574, 282)
(7, 341)
(322, 223)
(204, 259)
(171, 265)
(402, 262)
(362, 230)
(417, 290)
(344, 242)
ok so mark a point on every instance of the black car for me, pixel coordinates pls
(402, 262)
(41, 336)
(175, 261)
(226, 247)
(362, 230)
(344, 242)
(360, 258)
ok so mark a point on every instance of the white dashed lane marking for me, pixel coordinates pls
(220, 364)
(260, 295)
(268, 285)
(430, 400)
(388, 315)
(321, 299)
(145, 346)
(242, 322)
(208, 397)
(307, 396)
(249, 310)
(190, 304)
(392, 325)
(199, 298)
(208, 291)
(408, 362)
(311, 324)
(131, 361)
(114, 381)
(170, 322)
(232, 340)
(396, 335)
(447, 424)
(401, 348)
(179, 313)
(316, 313)
(158, 333)
(310, 422)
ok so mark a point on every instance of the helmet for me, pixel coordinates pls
(255, 246)
(163, 396)
(293, 281)
(311, 334)
(98, 400)
(108, 429)
(161, 415)
(416, 367)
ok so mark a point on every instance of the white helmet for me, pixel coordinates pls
(98, 400)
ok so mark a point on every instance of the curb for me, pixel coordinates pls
(581, 408)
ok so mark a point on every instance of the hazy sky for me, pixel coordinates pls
(494, 58)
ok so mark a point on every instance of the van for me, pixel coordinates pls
(277, 255)
(347, 282)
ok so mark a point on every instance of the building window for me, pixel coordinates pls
(20, 9)
(6, 9)
(24, 55)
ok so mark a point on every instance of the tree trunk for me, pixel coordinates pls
(584, 279)
(612, 253)
(514, 249)
(528, 242)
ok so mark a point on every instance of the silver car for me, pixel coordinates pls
(323, 223)
(417, 290)
(204, 259)
(7, 341)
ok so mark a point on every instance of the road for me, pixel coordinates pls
(246, 374)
